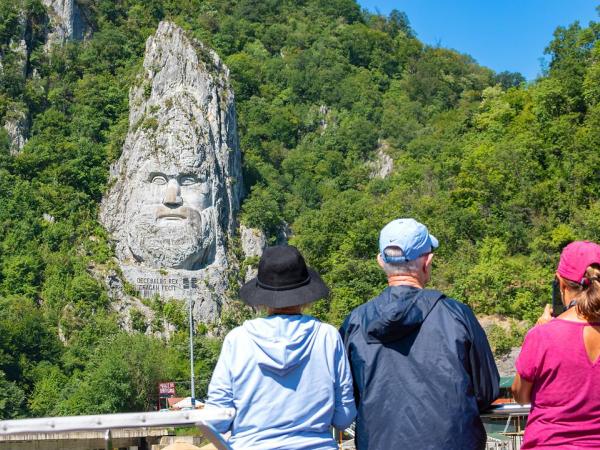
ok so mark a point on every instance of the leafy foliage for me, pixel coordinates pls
(503, 172)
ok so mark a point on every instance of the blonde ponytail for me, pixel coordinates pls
(588, 302)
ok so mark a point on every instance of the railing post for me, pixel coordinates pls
(108, 440)
(213, 436)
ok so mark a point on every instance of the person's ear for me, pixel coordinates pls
(428, 260)
(380, 260)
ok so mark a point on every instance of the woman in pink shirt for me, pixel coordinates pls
(558, 370)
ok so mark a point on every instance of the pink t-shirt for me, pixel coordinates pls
(565, 399)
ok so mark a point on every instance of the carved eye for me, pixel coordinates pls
(188, 180)
(159, 179)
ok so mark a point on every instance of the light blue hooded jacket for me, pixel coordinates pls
(289, 381)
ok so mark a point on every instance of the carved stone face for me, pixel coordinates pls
(170, 217)
(177, 182)
(172, 223)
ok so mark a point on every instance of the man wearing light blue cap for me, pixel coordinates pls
(422, 366)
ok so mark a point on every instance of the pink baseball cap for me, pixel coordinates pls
(576, 258)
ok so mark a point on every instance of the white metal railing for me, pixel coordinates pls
(508, 409)
(510, 412)
(204, 419)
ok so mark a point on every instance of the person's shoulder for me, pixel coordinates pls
(545, 329)
(541, 338)
(236, 333)
(328, 330)
(323, 327)
(456, 308)
(460, 314)
(355, 319)
(358, 312)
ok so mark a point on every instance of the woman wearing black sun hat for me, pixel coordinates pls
(286, 374)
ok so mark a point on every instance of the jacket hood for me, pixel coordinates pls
(397, 312)
(281, 343)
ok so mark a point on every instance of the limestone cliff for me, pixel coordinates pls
(176, 189)
(16, 117)
(16, 124)
(67, 21)
(383, 164)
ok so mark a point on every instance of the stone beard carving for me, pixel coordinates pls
(178, 180)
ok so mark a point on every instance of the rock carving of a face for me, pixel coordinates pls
(170, 216)
(177, 182)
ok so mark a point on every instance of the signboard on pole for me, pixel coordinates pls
(167, 388)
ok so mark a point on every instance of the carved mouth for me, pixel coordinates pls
(171, 216)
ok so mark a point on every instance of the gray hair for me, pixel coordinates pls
(403, 268)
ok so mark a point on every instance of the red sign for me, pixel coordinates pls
(166, 388)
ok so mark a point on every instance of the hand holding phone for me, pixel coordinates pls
(546, 315)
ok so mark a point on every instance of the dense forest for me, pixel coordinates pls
(502, 171)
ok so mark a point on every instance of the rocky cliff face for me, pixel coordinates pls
(253, 242)
(16, 118)
(383, 165)
(177, 185)
(16, 124)
(67, 21)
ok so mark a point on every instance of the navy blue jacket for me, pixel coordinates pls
(423, 370)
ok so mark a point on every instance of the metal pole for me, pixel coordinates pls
(108, 445)
(193, 389)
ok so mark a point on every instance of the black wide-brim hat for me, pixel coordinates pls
(283, 280)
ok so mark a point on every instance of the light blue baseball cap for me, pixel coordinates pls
(410, 236)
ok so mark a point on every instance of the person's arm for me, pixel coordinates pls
(345, 332)
(220, 389)
(484, 373)
(527, 366)
(345, 408)
(521, 390)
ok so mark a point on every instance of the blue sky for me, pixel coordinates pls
(500, 34)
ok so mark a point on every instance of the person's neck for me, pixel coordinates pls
(572, 316)
(569, 295)
(405, 280)
(285, 311)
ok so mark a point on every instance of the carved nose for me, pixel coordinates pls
(173, 194)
